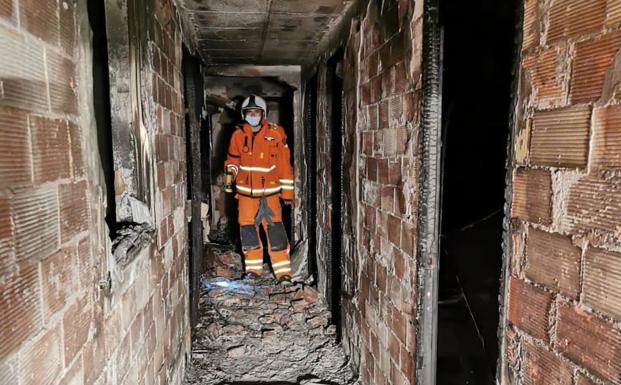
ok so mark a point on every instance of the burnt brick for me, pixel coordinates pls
(542, 367)
(394, 230)
(575, 17)
(57, 281)
(94, 358)
(40, 17)
(35, 217)
(532, 195)
(21, 307)
(383, 114)
(530, 24)
(408, 234)
(6, 9)
(613, 12)
(15, 162)
(161, 175)
(382, 171)
(542, 70)
(561, 137)
(590, 341)
(50, 149)
(85, 260)
(593, 205)
(528, 308)
(67, 26)
(74, 217)
(387, 194)
(42, 362)
(62, 84)
(23, 72)
(367, 143)
(582, 380)
(593, 59)
(606, 153)
(554, 261)
(77, 156)
(378, 142)
(394, 172)
(76, 326)
(602, 281)
(7, 256)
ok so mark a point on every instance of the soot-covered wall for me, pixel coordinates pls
(380, 72)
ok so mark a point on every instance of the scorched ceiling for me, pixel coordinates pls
(261, 31)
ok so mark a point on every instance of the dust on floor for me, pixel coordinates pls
(260, 332)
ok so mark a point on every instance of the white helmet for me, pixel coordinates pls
(254, 101)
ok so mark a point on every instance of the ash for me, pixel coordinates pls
(260, 332)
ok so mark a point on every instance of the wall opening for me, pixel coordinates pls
(193, 103)
(478, 48)
(335, 103)
(310, 128)
(101, 98)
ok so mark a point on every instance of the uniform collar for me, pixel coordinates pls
(248, 129)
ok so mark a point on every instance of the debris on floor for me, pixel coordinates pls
(259, 332)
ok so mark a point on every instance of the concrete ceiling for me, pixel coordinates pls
(261, 31)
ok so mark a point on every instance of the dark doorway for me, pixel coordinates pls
(335, 103)
(101, 98)
(310, 138)
(478, 59)
(193, 99)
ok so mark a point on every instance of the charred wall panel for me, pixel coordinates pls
(565, 101)
(70, 312)
(381, 120)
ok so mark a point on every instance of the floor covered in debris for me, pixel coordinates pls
(256, 331)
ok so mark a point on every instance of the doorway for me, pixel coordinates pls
(476, 103)
(335, 101)
(193, 99)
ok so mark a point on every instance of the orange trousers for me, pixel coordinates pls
(252, 246)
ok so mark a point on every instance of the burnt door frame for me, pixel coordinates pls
(193, 92)
(335, 104)
(430, 187)
(310, 150)
(428, 234)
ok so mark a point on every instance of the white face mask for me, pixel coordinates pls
(253, 120)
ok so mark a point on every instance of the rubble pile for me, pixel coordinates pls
(259, 332)
(223, 261)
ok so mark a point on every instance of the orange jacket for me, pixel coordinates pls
(260, 162)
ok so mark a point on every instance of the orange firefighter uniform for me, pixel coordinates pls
(260, 165)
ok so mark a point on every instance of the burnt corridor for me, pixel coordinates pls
(364, 192)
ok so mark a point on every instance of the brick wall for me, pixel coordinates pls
(381, 70)
(56, 325)
(563, 305)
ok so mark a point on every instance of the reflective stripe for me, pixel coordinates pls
(259, 169)
(278, 264)
(254, 268)
(254, 261)
(283, 270)
(286, 181)
(287, 187)
(254, 191)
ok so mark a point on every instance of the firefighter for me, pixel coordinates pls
(258, 163)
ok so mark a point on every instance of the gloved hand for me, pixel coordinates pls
(228, 183)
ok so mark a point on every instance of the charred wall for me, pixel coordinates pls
(70, 312)
(563, 293)
(380, 72)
